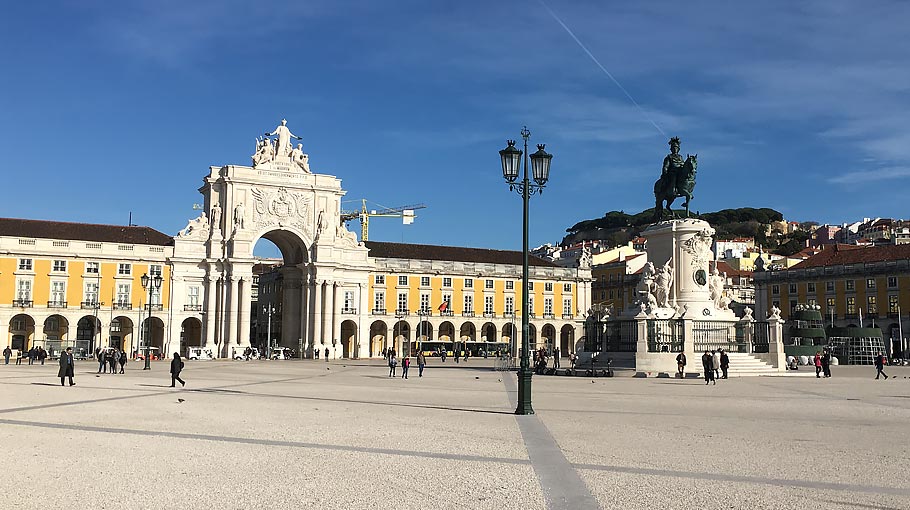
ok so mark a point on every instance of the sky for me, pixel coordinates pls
(115, 108)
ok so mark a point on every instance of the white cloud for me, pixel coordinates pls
(878, 174)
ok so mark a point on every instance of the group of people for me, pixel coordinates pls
(110, 359)
(34, 354)
(822, 362)
(541, 359)
(405, 363)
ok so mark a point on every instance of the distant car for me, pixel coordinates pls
(199, 353)
(281, 353)
(154, 353)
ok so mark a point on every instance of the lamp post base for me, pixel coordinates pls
(524, 391)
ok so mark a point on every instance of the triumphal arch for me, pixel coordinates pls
(280, 199)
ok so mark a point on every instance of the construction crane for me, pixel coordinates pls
(406, 213)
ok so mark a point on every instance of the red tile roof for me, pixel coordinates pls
(454, 253)
(841, 254)
(41, 229)
(723, 267)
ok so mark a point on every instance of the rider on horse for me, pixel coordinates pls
(673, 168)
(677, 179)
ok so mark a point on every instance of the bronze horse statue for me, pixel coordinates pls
(671, 186)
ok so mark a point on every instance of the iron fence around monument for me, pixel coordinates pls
(611, 336)
(713, 335)
(666, 335)
(761, 336)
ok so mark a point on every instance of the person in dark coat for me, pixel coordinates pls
(421, 362)
(681, 364)
(42, 354)
(67, 366)
(99, 354)
(724, 363)
(6, 354)
(826, 362)
(707, 362)
(880, 365)
(122, 361)
(176, 367)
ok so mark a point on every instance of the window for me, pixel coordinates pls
(829, 304)
(775, 290)
(468, 283)
(892, 305)
(603, 295)
(548, 287)
(892, 282)
(447, 298)
(58, 292)
(92, 267)
(851, 305)
(870, 283)
(24, 290)
(510, 285)
(810, 287)
(348, 302)
(155, 270)
(548, 306)
(829, 286)
(792, 288)
(59, 266)
(851, 284)
(468, 303)
(530, 287)
(402, 302)
(567, 306)
(379, 279)
(871, 306)
(379, 301)
(488, 284)
(124, 269)
(424, 281)
(531, 305)
(792, 306)
(611, 277)
(611, 293)
(192, 295)
(91, 293)
(123, 294)
(567, 287)
(510, 305)
(424, 303)
(447, 282)
(488, 304)
(403, 280)
(25, 264)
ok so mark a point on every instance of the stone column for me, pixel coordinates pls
(290, 326)
(317, 316)
(231, 315)
(211, 305)
(776, 353)
(305, 325)
(333, 319)
(243, 338)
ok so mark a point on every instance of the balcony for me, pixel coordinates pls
(549, 316)
(489, 315)
(379, 311)
(90, 305)
(425, 313)
(23, 303)
(447, 313)
(56, 304)
(122, 306)
(192, 308)
(154, 307)
(567, 316)
(402, 313)
(467, 314)
(349, 311)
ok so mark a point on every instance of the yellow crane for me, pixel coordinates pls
(406, 213)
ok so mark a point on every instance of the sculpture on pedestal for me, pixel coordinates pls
(677, 179)
(283, 144)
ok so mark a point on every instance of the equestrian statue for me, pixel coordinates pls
(677, 179)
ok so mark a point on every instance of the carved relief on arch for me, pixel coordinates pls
(282, 208)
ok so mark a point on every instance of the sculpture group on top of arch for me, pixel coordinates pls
(280, 148)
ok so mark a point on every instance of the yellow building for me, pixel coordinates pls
(852, 285)
(79, 285)
(615, 280)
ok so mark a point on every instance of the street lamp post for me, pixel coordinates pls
(268, 330)
(152, 284)
(540, 167)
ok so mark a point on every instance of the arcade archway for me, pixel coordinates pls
(349, 343)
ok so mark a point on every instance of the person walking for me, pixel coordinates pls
(724, 363)
(67, 366)
(326, 354)
(707, 362)
(556, 357)
(818, 364)
(443, 355)
(99, 354)
(42, 355)
(826, 362)
(31, 356)
(405, 365)
(176, 367)
(880, 361)
(393, 362)
(122, 360)
(110, 359)
(681, 364)
(715, 364)
(421, 362)
(6, 354)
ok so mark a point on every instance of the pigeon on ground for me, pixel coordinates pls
(180, 401)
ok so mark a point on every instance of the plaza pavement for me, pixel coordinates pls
(341, 434)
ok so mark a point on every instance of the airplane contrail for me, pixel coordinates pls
(602, 68)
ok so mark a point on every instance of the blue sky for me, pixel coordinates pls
(107, 108)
